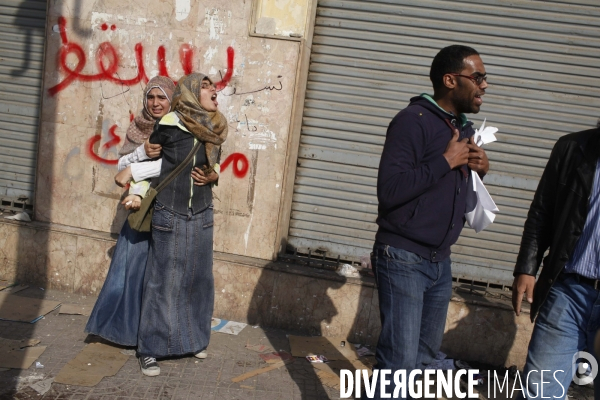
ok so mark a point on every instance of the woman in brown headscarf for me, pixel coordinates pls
(178, 298)
(116, 314)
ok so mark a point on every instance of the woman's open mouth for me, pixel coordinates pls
(214, 99)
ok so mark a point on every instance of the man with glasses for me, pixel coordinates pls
(563, 219)
(422, 187)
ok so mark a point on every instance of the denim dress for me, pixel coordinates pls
(178, 297)
(116, 314)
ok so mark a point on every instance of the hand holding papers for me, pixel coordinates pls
(483, 212)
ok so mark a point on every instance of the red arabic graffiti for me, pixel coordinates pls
(114, 140)
(107, 62)
(236, 159)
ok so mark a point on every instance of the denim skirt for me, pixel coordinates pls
(116, 314)
(178, 298)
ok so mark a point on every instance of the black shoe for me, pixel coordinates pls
(149, 366)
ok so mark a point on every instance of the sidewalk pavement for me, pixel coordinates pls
(182, 378)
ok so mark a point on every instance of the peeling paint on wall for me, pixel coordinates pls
(98, 19)
(216, 24)
(182, 9)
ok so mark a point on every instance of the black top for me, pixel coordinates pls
(422, 202)
(176, 145)
(559, 210)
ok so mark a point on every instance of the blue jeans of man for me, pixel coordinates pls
(567, 323)
(413, 302)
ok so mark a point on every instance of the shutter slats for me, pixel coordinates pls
(370, 57)
(22, 38)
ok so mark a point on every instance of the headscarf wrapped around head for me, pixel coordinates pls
(141, 127)
(209, 127)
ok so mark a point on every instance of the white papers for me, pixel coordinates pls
(484, 135)
(224, 326)
(484, 212)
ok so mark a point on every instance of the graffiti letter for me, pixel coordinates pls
(235, 158)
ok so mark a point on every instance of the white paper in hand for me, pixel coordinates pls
(484, 135)
(484, 212)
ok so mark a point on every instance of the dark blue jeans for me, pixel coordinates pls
(413, 302)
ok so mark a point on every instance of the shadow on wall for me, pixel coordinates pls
(305, 304)
(26, 19)
(480, 330)
(31, 264)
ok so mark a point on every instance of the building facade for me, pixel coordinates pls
(309, 88)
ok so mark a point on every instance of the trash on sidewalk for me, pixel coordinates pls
(479, 379)
(22, 216)
(259, 371)
(348, 271)
(259, 348)
(364, 352)
(39, 365)
(93, 363)
(329, 347)
(74, 309)
(317, 359)
(19, 354)
(461, 364)
(42, 386)
(229, 327)
(272, 358)
(24, 309)
(441, 362)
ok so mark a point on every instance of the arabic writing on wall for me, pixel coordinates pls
(107, 62)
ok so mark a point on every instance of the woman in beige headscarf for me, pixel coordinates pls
(178, 298)
(116, 314)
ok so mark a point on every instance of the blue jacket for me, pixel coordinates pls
(422, 202)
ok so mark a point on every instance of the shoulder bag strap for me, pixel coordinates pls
(179, 168)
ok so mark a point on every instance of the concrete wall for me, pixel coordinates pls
(270, 294)
(99, 54)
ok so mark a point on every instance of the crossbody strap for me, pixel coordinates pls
(179, 168)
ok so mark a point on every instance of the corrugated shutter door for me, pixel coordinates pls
(370, 57)
(22, 34)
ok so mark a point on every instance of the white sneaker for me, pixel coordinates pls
(149, 366)
(203, 354)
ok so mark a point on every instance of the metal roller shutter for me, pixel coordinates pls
(22, 35)
(370, 57)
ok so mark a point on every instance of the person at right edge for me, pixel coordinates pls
(564, 219)
(422, 187)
